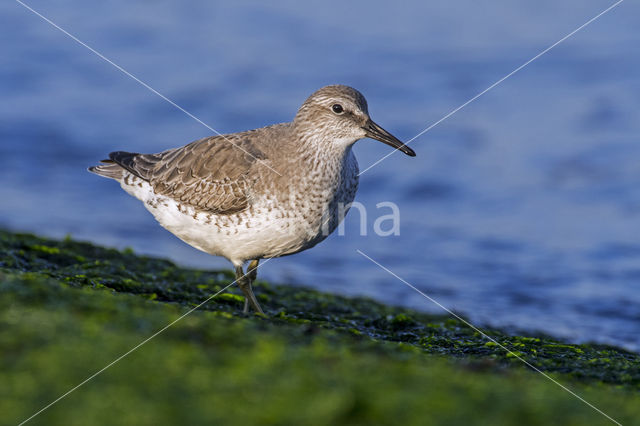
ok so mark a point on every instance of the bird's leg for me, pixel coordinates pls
(252, 274)
(246, 306)
(252, 270)
(244, 282)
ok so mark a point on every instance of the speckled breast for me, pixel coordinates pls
(318, 202)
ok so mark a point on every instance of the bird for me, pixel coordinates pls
(257, 194)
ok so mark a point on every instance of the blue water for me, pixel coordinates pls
(522, 210)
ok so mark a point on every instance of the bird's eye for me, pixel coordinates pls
(337, 108)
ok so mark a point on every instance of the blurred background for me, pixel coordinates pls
(520, 211)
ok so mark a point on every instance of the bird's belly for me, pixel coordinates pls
(259, 233)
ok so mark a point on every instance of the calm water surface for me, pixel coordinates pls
(522, 210)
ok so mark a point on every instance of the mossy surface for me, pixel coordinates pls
(70, 308)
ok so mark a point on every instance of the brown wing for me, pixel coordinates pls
(212, 174)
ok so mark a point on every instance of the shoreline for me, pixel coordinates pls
(68, 284)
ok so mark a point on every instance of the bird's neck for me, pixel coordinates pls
(320, 145)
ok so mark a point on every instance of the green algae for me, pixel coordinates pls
(69, 308)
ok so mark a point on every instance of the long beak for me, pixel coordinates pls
(376, 132)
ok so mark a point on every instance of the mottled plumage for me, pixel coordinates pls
(257, 194)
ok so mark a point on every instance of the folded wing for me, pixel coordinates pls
(214, 174)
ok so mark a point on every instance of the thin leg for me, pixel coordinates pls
(244, 282)
(252, 274)
(252, 270)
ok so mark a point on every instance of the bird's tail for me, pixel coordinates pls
(109, 169)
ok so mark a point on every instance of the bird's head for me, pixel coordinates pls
(340, 114)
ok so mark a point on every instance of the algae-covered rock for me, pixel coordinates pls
(68, 309)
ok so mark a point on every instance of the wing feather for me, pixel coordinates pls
(212, 174)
